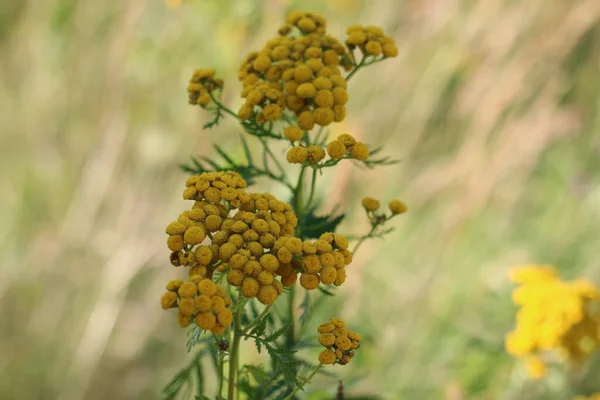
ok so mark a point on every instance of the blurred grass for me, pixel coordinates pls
(492, 107)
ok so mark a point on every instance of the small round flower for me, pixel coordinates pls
(330, 57)
(225, 317)
(302, 74)
(327, 357)
(356, 38)
(315, 154)
(343, 343)
(235, 277)
(306, 90)
(169, 300)
(340, 96)
(309, 281)
(217, 303)
(326, 339)
(341, 277)
(207, 287)
(323, 116)
(390, 50)
(328, 275)
(347, 139)
(226, 251)
(338, 323)
(327, 327)
(272, 112)
(359, 151)
(322, 83)
(336, 149)
(213, 223)
(323, 246)
(175, 242)
(324, 98)
(327, 260)
(339, 112)
(262, 63)
(187, 306)
(340, 241)
(311, 264)
(307, 24)
(250, 287)
(174, 285)
(306, 121)
(284, 255)
(292, 133)
(296, 155)
(265, 278)
(269, 262)
(176, 228)
(370, 204)
(267, 294)
(188, 289)
(289, 280)
(206, 320)
(203, 303)
(373, 48)
(260, 226)
(397, 207)
(314, 64)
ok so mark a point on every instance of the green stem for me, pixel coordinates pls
(257, 319)
(312, 190)
(234, 354)
(355, 70)
(291, 395)
(291, 332)
(298, 193)
(258, 127)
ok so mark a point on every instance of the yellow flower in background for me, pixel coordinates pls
(554, 315)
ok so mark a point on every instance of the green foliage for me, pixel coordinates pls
(313, 226)
(188, 377)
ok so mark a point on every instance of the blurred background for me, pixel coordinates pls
(492, 108)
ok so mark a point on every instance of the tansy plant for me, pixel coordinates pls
(245, 251)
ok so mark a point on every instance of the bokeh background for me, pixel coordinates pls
(492, 107)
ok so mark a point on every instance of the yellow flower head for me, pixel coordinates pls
(339, 342)
(397, 207)
(370, 204)
(336, 149)
(297, 155)
(359, 151)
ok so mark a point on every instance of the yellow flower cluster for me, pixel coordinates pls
(346, 144)
(311, 154)
(371, 41)
(396, 206)
(299, 71)
(324, 261)
(554, 315)
(199, 300)
(339, 342)
(201, 84)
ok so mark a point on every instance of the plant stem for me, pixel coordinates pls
(291, 395)
(355, 70)
(291, 337)
(312, 190)
(234, 354)
(257, 319)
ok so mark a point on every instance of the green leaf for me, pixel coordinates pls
(199, 376)
(277, 333)
(325, 291)
(313, 226)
